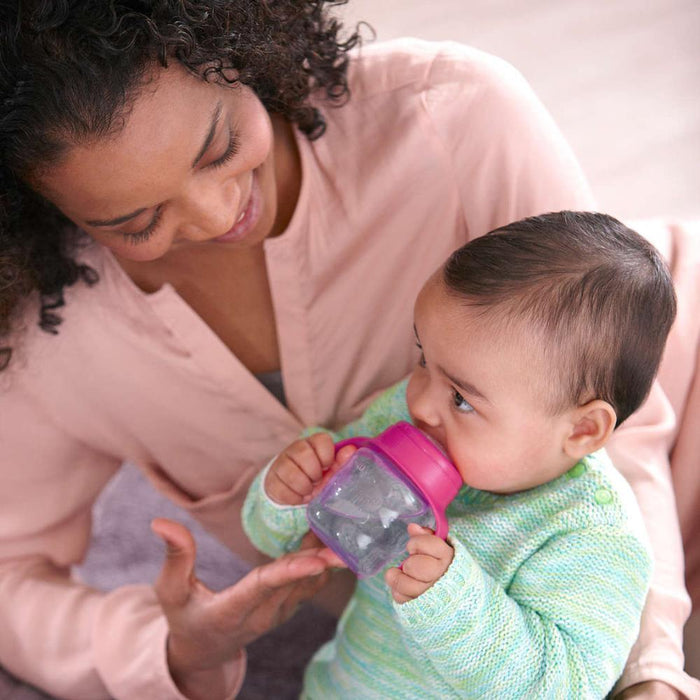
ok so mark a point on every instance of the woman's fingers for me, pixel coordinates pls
(288, 572)
(208, 628)
(176, 580)
(267, 596)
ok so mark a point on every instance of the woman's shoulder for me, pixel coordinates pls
(391, 65)
(448, 88)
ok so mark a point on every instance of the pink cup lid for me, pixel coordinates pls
(423, 461)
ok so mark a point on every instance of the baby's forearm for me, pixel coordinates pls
(533, 640)
(275, 530)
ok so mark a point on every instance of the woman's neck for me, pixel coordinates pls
(287, 173)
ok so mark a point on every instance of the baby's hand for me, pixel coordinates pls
(429, 558)
(293, 476)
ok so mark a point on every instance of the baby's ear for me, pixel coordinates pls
(592, 425)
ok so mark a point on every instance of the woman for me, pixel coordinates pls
(215, 259)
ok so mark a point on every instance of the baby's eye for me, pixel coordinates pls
(461, 404)
(421, 359)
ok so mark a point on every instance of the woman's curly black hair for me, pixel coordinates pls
(69, 70)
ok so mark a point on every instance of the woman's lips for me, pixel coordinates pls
(248, 218)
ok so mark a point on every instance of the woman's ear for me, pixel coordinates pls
(592, 425)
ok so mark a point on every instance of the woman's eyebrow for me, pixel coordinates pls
(216, 115)
(117, 220)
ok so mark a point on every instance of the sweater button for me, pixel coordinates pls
(577, 470)
(603, 497)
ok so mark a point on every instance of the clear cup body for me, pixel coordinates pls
(363, 511)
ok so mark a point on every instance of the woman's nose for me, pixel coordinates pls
(208, 208)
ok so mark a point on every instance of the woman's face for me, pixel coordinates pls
(193, 165)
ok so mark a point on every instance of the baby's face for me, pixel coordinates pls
(478, 390)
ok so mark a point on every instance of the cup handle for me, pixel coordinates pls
(358, 441)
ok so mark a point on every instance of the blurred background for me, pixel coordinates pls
(621, 78)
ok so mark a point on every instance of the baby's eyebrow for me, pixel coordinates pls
(216, 115)
(464, 385)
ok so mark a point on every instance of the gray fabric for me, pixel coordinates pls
(272, 381)
(12, 689)
(125, 551)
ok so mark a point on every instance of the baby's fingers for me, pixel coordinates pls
(288, 485)
(294, 474)
(423, 541)
(423, 568)
(343, 455)
(404, 587)
(324, 448)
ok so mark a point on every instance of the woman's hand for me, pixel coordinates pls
(209, 629)
(649, 690)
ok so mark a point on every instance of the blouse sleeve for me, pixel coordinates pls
(58, 634)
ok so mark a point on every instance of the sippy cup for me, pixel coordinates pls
(399, 477)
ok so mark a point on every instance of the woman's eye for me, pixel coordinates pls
(229, 153)
(461, 404)
(144, 234)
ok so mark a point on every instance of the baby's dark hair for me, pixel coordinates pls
(598, 297)
(70, 70)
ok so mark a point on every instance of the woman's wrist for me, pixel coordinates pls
(212, 684)
(649, 690)
(215, 683)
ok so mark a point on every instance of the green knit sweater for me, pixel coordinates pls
(542, 599)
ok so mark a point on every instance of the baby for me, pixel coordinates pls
(536, 341)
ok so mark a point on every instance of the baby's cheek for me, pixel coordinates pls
(411, 389)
